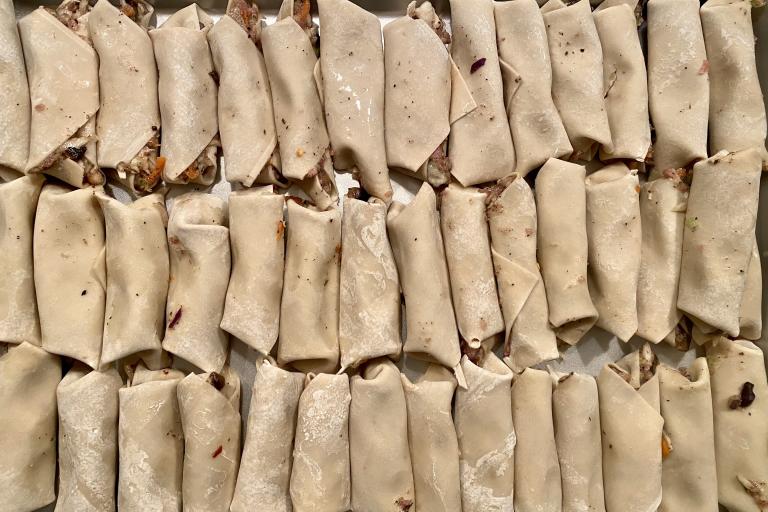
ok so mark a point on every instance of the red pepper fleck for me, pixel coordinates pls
(477, 65)
(704, 69)
(175, 319)
(218, 451)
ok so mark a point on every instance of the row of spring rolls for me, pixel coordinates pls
(639, 438)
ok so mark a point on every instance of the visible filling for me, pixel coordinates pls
(326, 183)
(69, 13)
(247, 15)
(75, 149)
(439, 166)
(757, 490)
(146, 167)
(426, 12)
(138, 10)
(203, 164)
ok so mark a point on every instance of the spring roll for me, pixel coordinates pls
(718, 239)
(414, 232)
(14, 94)
(615, 241)
(480, 143)
(28, 380)
(632, 432)
(187, 92)
(537, 469)
(320, 475)
(470, 267)
(369, 301)
(537, 130)
(739, 391)
(209, 405)
(198, 242)
(380, 459)
(352, 66)
(150, 442)
(69, 272)
(128, 130)
(432, 440)
(88, 406)
(18, 307)
(257, 237)
(751, 310)
(265, 468)
(63, 74)
(563, 248)
(688, 473)
(529, 338)
(678, 83)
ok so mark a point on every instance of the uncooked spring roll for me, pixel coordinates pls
(432, 440)
(69, 272)
(88, 408)
(751, 310)
(150, 442)
(576, 412)
(480, 143)
(209, 405)
(128, 121)
(483, 419)
(678, 83)
(380, 460)
(632, 432)
(529, 338)
(198, 242)
(63, 73)
(537, 469)
(187, 93)
(563, 248)
(14, 94)
(369, 302)
(137, 277)
(537, 130)
(320, 475)
(688, 473)
(615, 241)
(18, 307)
(414, 231)
(28, 379)
(718, 238)
(309, 338)
(577, 75)
(739, 391)
(470, 267)
(265, 468)
(352, 65)
(257, 237)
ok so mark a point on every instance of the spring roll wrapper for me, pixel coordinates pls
(576, 413)
(615, 240)
(257, 239)
(480, 143)
(369, 302)
(88, 407)
(625, 82)
(432, 440)
(187, 93)
(265, 467)
(678, 83)
(210, 418)
(563, 248)
(632, 437)
(414, 232)
(537, 469)
(751, 311)
(382, 478)
(320, 478)
(352, 66)
(310, 304)
(688, 471)
(150, 442)
(736, 109)
(28, 379)
(719, 238)
(198, 242)
(470, 266)
(69, 272)
(529, 338)
(18, 307)
(483, 419)
(14, 94)
(662, 213)
(537, 130)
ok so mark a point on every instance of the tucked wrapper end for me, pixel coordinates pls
(14, 94)
(751, 310)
